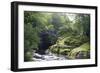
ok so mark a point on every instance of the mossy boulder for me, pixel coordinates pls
(81, 52)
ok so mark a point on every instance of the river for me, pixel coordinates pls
(48, 57)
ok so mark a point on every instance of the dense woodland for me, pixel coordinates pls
(65, 34)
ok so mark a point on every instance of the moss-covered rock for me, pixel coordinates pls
(82, 52)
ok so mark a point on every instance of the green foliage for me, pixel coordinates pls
(82, 24)
(30, 36)
(69, 32)
(31, 40)
(76, 40)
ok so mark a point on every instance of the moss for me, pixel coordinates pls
(64, 51)
(77, 45)
(83, 48)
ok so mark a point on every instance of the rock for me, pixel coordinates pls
(83, 55)
(36, 55)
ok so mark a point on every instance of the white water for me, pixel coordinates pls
(47, 57)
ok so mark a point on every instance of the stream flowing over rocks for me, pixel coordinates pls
(47, 57)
